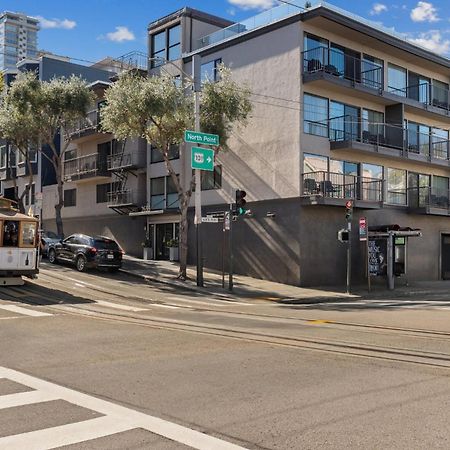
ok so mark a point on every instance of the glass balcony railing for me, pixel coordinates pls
(340, 65)
(342, 186)
(428, 197)
(348, 128)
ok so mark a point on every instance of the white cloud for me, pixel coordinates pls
(120, 35)
(65, 24)
(253, 4)
(433, 40)
(424, 12)
(378, 8)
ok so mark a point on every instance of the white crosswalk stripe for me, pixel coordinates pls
(115, 419)
(23, 311)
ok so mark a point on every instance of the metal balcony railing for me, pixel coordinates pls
(342, 186)
(407, 140)
(341, 65)
(90, 122)
(122, 197)
(84, 166)
(426, 93)
(126, 159)
(428, 197)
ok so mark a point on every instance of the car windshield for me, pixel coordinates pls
(105, 244)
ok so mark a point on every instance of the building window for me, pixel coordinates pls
(440, 94)
(439, 186)
(439, 143)
(70, 197)
(396, 186)
(166, 46)
(315, 115)
(156, 156)
(32, 154)
(397, 80)
(174, 39)
(157, 193)
(372, 72)
(418, 138)
(314, 163)
(210, 72)
(3, 156)
(418, 87)
(32, 191)
(372, 126)
(70, 154)
(212, 179)
(344, 122)
(371, 182)
(172, 200)
(106, 188)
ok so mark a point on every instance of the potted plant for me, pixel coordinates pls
(173, 249)
(147, 249)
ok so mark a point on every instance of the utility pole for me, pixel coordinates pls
(196, 62)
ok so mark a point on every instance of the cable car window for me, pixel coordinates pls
(11, 233)
(28, 234)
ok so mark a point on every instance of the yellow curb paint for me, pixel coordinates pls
(319, 321)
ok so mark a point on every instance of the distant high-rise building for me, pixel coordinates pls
(18, 38)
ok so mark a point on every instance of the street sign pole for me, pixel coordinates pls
(198, 177)
(349, 207)
(230, 244)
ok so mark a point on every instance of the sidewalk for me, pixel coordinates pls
(252, 288)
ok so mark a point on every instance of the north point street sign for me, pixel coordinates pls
(202, 158)
(196, 137)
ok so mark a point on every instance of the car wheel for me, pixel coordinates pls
(52, 256)
(81, 263)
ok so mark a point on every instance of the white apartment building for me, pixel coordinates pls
(18, 39)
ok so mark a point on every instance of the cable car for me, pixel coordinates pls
(19, 245)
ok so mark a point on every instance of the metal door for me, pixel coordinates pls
(445, 256)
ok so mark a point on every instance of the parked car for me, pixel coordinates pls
(48, 238)
(87, 252)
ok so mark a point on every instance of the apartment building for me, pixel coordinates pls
(14, 170)
(342, 110)
(18, 38)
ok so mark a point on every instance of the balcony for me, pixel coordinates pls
(328, 188)
(347, 133)
(127, 161)
(7, 173)
(87, 167)
(327, 65)
(123, 201)
(429, 200)
(87, 126)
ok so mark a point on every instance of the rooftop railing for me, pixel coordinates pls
(342, 186)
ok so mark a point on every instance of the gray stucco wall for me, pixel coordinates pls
(127, 231)
(299, 245)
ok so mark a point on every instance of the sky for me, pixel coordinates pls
(93, 29)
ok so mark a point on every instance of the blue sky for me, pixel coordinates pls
(93, 29)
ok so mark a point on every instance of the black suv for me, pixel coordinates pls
(87, 252)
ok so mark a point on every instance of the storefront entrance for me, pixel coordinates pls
(161, 234)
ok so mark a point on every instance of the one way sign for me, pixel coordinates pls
(202, 158)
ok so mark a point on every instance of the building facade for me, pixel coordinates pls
(18, 39)
(342, 110)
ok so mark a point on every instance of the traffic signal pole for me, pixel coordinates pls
(196, 61)
(348, 215)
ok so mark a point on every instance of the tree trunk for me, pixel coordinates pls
(60, 202)
(183, 238)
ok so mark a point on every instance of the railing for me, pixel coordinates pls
(428, 197)
(265, 18)
(123, 197)
(90, 122)
(84, 165)
(337, 63)
(120, 160)
(348, 128)
(342, 186)
(426, 93)
(132, 60)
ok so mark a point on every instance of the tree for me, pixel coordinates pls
(18, 124)
(158, 109)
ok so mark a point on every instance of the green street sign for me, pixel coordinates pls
(195, 137)
(202, 158)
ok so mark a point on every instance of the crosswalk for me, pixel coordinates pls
(110, 419)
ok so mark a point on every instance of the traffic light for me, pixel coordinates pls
(240, 202)
(348, 209)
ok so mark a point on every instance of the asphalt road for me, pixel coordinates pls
(99, 361)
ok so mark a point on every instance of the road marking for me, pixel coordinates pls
(25, 398)
(160, 305)
(210, 302)
(116, 419)
(120, 306)
(24, 311)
